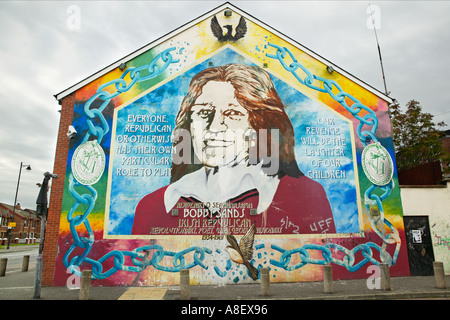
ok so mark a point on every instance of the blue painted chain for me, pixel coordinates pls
(326, 86)
(137, 255)
(121, 86)
(378, 223)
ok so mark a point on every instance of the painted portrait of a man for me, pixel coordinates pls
(238, 165)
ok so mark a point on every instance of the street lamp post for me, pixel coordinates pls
(41, 210)
(15, 200)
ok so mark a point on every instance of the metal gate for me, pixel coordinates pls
(419, 244)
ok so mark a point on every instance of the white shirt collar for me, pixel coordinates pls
(225, 184)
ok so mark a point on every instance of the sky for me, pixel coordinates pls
(48, 46)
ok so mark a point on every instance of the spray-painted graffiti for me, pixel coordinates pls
(442, 241)
(214, 163)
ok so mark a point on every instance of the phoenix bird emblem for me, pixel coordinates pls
(242, 253)
(217, 30)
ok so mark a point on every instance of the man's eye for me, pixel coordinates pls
(204, 113)
(232, 113)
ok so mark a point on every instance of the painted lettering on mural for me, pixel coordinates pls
(325, 146)
(144, 146)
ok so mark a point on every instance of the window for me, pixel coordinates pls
(3, 222)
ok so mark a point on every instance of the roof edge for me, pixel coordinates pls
(227, 5)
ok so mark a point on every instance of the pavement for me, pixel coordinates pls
(18, 285)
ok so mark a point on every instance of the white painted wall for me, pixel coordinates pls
(434, 202)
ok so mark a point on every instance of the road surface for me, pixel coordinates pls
(15, 258)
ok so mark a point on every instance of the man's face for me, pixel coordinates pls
(218, 126)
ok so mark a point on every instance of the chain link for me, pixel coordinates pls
(326, 86)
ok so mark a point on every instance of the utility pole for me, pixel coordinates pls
(15, 202)
(379, 51)
(41, 210)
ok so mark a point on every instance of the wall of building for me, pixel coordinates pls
(57, 191)
(133, 204)
(434, 202)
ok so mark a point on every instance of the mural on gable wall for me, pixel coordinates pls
(224, 150)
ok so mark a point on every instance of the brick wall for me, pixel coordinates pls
(57, 190)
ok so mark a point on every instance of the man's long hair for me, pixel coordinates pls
(256, 92)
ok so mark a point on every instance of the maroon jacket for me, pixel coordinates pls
(300, 206)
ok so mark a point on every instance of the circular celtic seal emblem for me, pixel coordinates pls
(377, 164)
(88, 163)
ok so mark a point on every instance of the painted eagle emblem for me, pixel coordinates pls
(242, 253)
(218, 32)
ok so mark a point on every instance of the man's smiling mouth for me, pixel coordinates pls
(213, 143)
